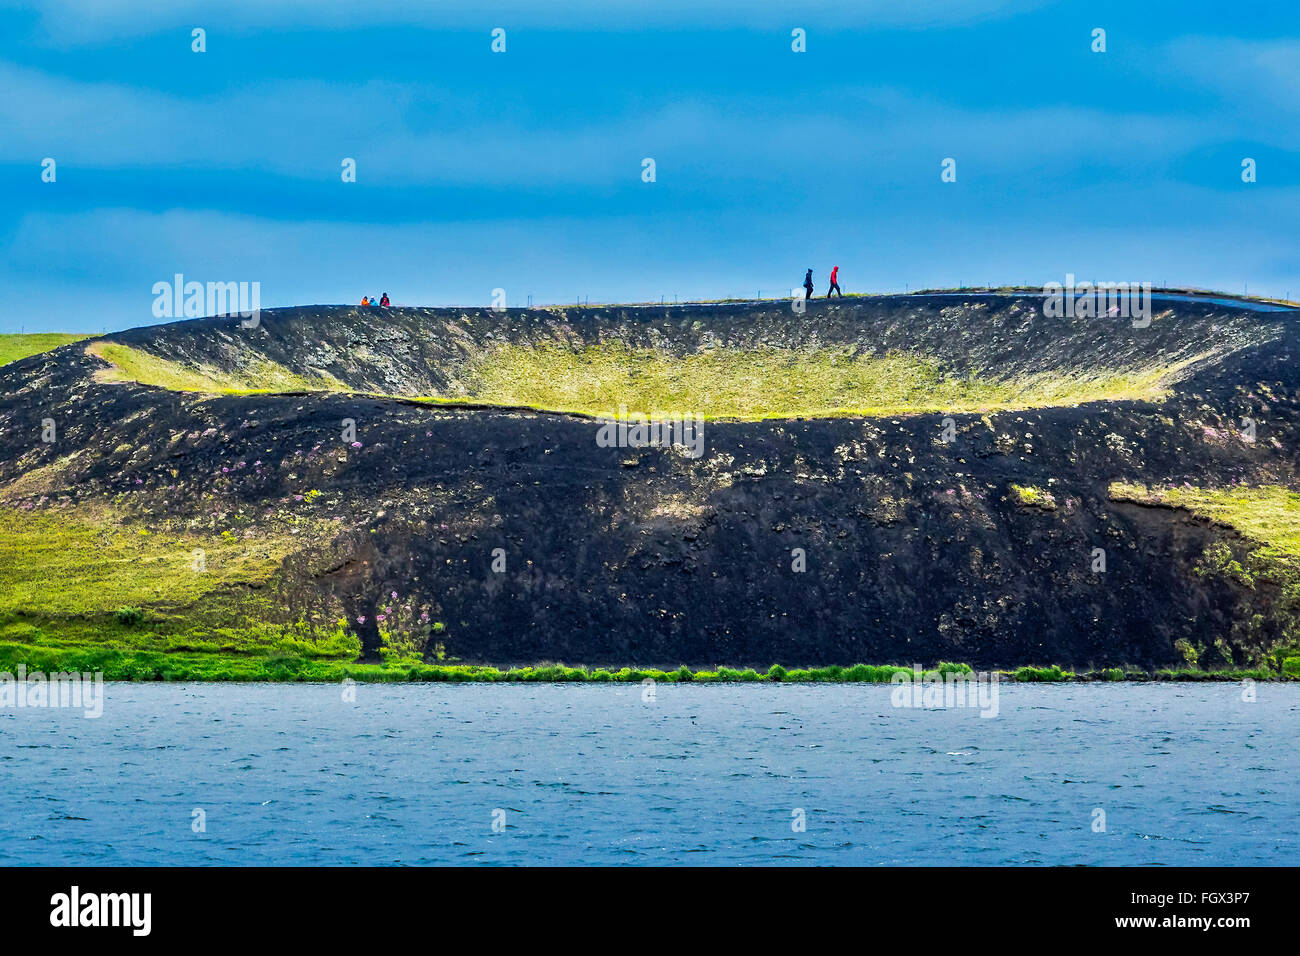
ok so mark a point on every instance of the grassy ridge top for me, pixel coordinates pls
(15, 346)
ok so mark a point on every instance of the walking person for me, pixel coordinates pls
(835, 286)
(808, 285)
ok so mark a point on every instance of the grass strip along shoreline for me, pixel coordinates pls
(158, 666)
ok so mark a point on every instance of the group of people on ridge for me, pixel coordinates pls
(835, 285)
(370, 300)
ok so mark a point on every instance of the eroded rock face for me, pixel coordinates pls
(912, 548)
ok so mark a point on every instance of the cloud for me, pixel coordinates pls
(296, 128)
(304, 129)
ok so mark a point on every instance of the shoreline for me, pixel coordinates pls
(149, 667)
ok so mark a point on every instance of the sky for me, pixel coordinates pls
(523, 170)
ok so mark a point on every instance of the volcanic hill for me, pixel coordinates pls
(883, 479)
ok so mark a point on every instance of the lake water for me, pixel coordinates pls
(415, 774)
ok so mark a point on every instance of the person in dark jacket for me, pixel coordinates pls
(383, 303)
(808, 285)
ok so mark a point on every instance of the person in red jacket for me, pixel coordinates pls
(383, 303)
(835, 286)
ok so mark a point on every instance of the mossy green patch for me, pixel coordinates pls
(1031, 496)
(1268, 514)
(257, 376)
(773, 382)
(60, 566)
(1267, 575)
(89, 582)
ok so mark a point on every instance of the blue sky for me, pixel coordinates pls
(522, 170)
